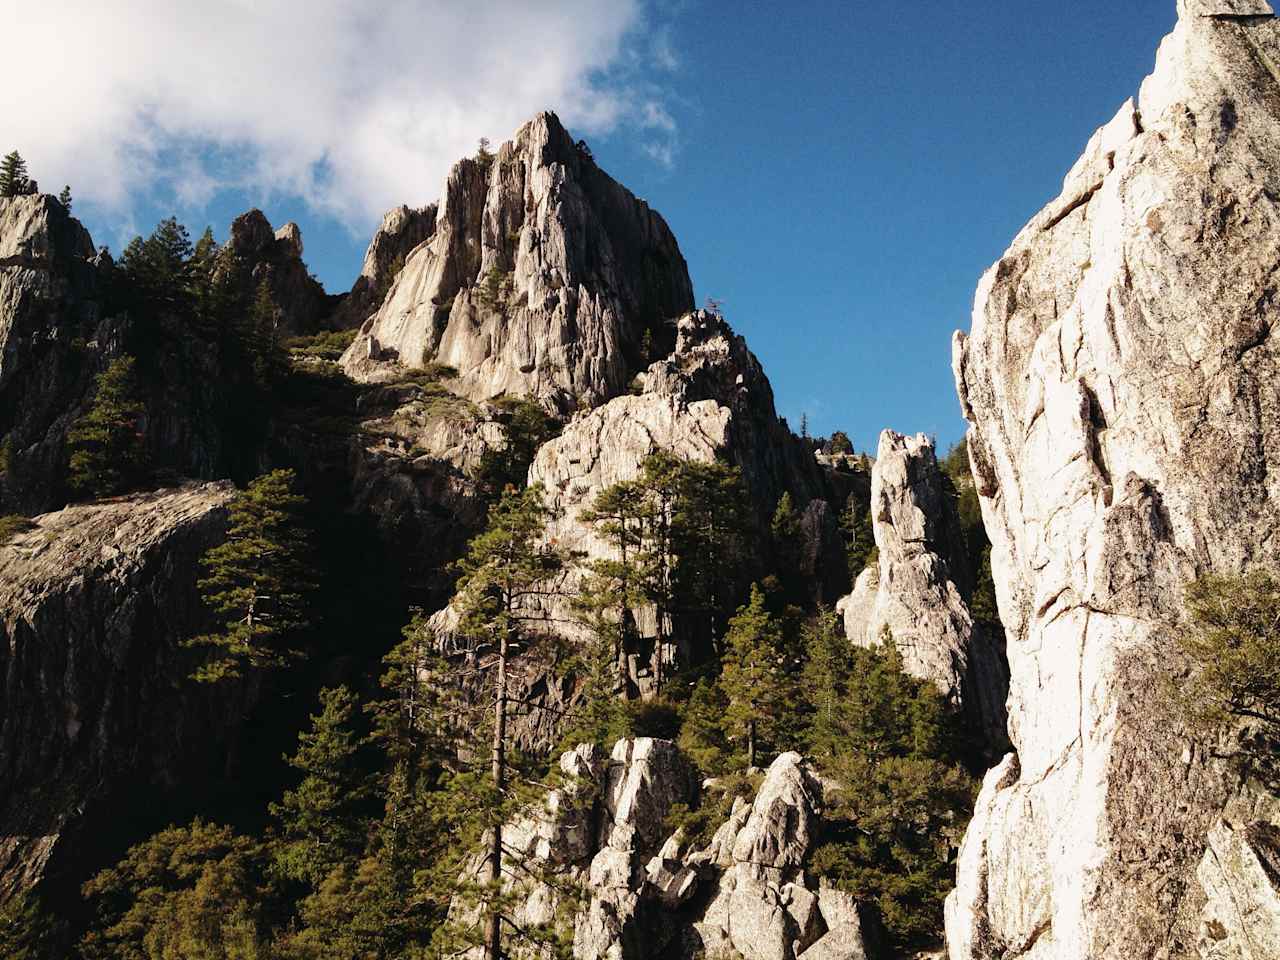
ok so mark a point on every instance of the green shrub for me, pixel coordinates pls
(326, 345)
(1232, 643)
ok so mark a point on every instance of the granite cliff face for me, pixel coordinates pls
(709, 399)
(653, 896)
(93, 600)
(402, 230)
(50, 288)
(541, 278)
(1119, 385)
(914, 592)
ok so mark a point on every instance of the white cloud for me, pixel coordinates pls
(354, 105)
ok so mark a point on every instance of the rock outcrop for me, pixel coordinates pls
(648, 897)
(914, 592)
(50, 320)
(93, 600)
(256, 254)
(709, 399)
(543, 277)
(402, 230)
(1124, 430)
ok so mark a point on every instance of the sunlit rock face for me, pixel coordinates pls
(650, 895)
(542, 277)
(1119, 382)
(912, 596)
(401, 232)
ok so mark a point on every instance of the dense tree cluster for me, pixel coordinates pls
(384, 837)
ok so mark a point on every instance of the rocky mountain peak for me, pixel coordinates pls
(257, 252)
(541, 278)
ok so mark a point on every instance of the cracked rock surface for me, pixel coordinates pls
(1119, 381)
(744, 892)
(540, 278)
(93, 601)
(912, 591)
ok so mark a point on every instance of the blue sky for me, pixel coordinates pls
(839, 176)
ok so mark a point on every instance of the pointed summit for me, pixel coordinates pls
(541, 278)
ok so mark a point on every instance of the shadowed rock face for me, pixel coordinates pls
(93, 601)
(1119, 381)
(913, 590)
(540, 279)
(50, 319)
(255, 253)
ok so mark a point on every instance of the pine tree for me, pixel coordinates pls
(753, 678)
(107, 453)
(786, 534)
(824, 681)
(323, 821)
(709, 533)
(267, 356)
(526, 426)
(901, 796)
(64, 198)
(27, 930)
(194, 891)
(859, 536)
(703, 737)
(613, 586)
(259, 578)
(158, 267)
(13, 175)
(507, 572)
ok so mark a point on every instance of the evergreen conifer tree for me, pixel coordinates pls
(613, 586)
(194, 891)
(703, 737)
(158, 267)
(259, 578)
(269, 359)
(13, 175)
(753, 676)
(890, 827)
(64, 197)
(824, 680)
(859, 536)
(323, 821)
(27, 931)
(506, 573)
(107, 453)
(709, 535)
